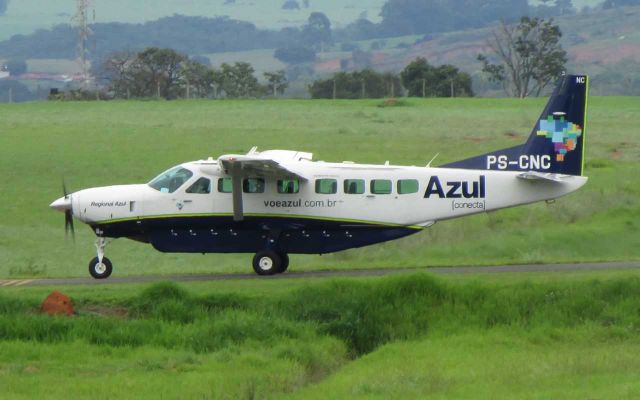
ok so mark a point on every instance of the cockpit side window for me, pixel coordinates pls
(201, 186)
(171, 180)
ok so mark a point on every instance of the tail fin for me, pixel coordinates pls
(557, 143)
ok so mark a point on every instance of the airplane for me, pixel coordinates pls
(279, 202)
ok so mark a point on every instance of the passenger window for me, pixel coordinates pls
(326, 186)
(288, 186)
(406, 186)
(253, 185)
(354, 186)
(201, 186)
(225, 185)
(381, 186)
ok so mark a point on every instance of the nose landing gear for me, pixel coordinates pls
(100, 267)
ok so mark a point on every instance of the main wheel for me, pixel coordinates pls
(267, 262)
(285, 262)
(100, 270)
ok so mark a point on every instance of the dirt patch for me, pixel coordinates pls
(104, 311)
(475, 139)
(616, 154)
(514, 135)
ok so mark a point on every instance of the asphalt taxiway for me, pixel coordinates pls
(114, 280)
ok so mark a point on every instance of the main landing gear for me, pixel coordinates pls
(269, 262)
(100, 267)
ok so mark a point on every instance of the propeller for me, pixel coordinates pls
(68, 214)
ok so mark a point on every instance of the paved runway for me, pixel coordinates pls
(324, 274)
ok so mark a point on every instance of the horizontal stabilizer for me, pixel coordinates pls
(536, 176)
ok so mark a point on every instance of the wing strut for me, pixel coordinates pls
(236, 190)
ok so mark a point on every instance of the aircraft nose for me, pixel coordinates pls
(62, 204)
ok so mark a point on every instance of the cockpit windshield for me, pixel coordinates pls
(169, 181)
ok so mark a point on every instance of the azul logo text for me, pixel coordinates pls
(456, 189)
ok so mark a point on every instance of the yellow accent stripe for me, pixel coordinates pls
(15, 282)
(164, 216)
(584, 125)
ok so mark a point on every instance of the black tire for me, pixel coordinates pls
(100, 271)
(285, 262)
(267, 262)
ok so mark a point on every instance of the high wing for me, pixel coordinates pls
(254, 164)
(258, 166)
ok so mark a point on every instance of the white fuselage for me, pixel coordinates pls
(442, 193)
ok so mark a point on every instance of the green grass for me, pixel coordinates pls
(413, 336)
(100, 143)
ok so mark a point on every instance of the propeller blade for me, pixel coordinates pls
(68, 224)
(68, 215)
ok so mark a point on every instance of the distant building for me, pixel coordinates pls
(4, 74)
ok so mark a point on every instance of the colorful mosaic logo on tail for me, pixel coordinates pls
(563, 134)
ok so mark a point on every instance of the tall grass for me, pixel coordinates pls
(364, 315)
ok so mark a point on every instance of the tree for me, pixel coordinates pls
(355, 85)
(526, 57)
(152, 72)
(424, 80)
(291, 5)
(277, 82)
(16, 67)
(198, 80)
(317, 31)
(238, 80)
(295, 55)
(160, 69)
(115, 72)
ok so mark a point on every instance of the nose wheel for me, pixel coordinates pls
(100, 267)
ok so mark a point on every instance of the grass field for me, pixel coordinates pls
(563, 335)
(103, 143)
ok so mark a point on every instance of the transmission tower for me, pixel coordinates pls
(81, 20)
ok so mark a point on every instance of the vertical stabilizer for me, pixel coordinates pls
(557, 142)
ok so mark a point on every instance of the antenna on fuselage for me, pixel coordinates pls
(434, 157)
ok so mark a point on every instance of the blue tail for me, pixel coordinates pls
(557, 143)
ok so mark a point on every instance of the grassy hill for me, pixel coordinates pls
(604, 43)
(25, 16)
(104, 143)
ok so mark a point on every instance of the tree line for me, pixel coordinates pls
(166, 73)
(418, 79)
(185, 34)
